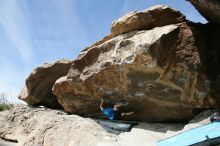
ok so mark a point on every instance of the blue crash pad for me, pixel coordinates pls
(193, 136)
(116, 126)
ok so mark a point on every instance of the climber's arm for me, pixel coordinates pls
(101, 105)
(127, 114)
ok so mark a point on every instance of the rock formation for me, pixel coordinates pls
(210, 9)
(38, 89)
(27, 126)
(161, 70)
(167, 70)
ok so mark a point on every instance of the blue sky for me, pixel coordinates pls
(33, 32)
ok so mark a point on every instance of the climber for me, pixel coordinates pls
(215, 117)
(113, 113)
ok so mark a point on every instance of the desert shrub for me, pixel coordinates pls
(5, 104)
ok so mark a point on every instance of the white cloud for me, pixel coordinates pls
(15, 25)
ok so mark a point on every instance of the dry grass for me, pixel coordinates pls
(5, 104)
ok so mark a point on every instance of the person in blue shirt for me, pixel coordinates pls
(215, 117)
(113, 113)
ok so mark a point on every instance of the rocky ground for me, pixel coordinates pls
(6, 143)
(45, 127)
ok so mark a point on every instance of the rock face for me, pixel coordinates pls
(210, 9)
(26, 126)
(163, 70)
(44, 127)
(38, 89)
(153, 17)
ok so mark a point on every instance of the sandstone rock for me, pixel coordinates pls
(153, 17)
(162, 73)
(210, 9)
(38, 89)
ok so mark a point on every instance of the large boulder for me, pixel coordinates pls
(155, 16)
(38, 89)
(210, 9)
(161, 72)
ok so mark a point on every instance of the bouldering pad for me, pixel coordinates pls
(116, 126)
